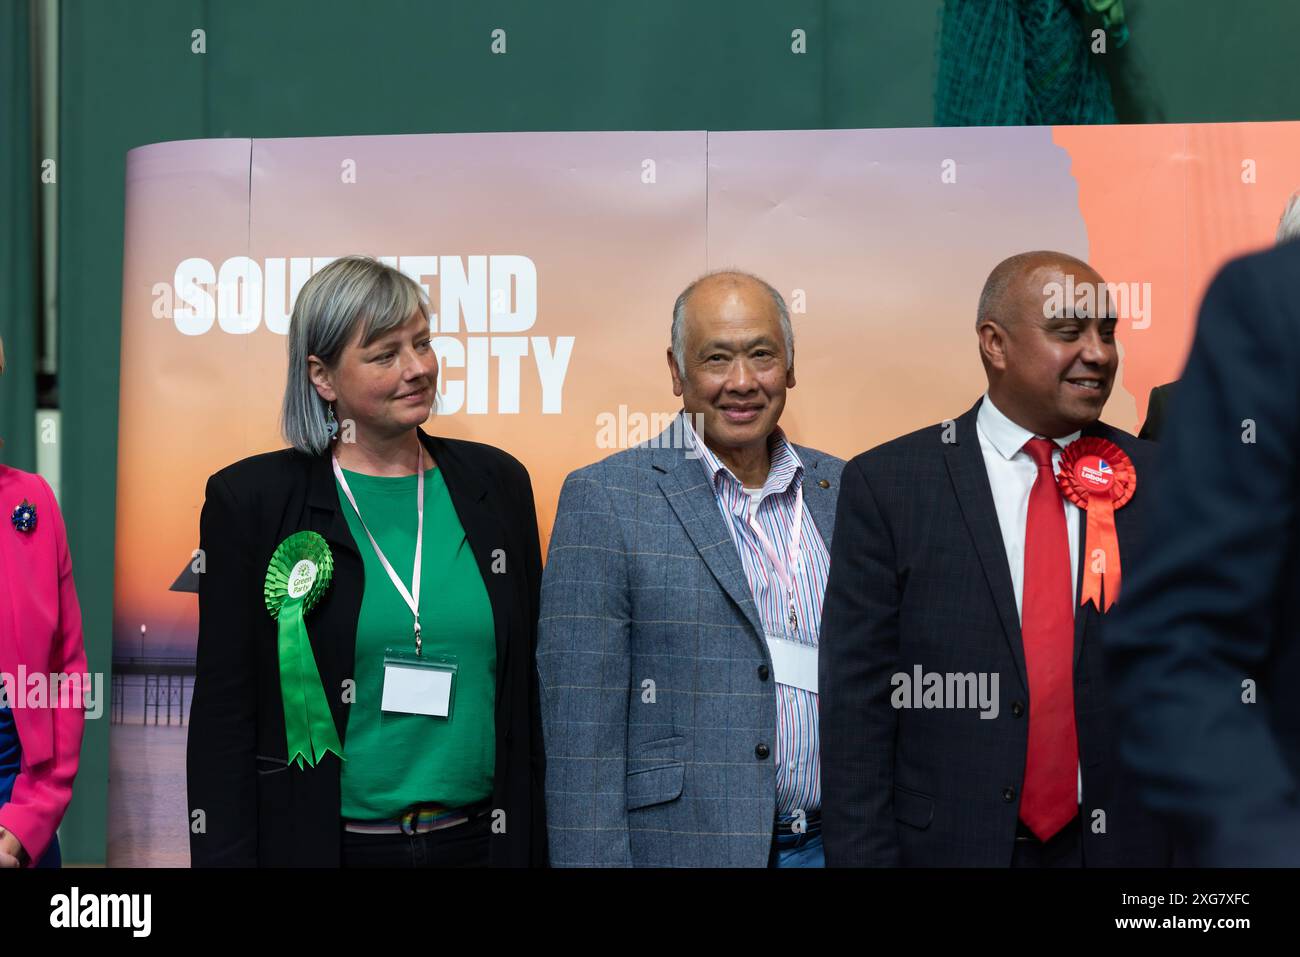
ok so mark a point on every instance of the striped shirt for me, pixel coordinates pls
(798, 758)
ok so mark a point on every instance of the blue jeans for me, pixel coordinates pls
(10, 761)
(799, 850)
(806, 853)
(52, 857)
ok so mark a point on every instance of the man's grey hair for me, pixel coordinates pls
(679, 315)
(347, 292)
(1288, 227)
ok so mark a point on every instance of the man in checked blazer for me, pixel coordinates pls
(677, 643)
(955, 555)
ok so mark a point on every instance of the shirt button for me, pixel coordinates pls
(761, 752)
(1017, 708)
(823, 484)
(763, 672)
(1008, 794)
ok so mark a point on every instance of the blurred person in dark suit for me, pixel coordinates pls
(1205, 649)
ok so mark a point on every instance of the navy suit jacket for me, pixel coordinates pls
(919, 576)
(1206, 647)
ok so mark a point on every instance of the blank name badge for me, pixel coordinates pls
(419, 685)
(795, 663)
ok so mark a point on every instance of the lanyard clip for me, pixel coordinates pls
(419, 644)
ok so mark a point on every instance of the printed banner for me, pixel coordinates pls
(552, 262)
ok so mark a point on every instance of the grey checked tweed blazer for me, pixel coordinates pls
(656, 688)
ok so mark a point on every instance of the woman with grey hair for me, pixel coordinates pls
(366, 691)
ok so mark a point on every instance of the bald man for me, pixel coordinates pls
(964, 710)
(677, 642)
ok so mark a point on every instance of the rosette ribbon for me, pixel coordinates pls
(299, 574)
(1096, 475)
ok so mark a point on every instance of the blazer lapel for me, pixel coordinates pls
(12, 653)
(819, 501)
(323, 500)
(334, 638)
(688, 491)
(22, 645)
(970, 481)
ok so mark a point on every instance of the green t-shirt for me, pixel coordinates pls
(396, 760)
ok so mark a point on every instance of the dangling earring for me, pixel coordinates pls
(331, 422)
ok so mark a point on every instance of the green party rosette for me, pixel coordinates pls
(298, 575)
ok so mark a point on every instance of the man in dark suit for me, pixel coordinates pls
(956, 556)
(1158, 406)
(1206, 657)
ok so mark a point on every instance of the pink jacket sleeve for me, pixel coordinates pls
(41, 792)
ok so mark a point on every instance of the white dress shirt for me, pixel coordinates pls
(1012, 473)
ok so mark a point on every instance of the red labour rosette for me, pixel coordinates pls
(1097, 475)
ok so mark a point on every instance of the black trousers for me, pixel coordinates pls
(1062, 849)
(464, 845)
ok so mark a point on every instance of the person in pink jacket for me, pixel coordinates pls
(42, 670)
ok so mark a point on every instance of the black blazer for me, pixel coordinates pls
(256, 809)
(1207, 643)
(1161, 401)
(919, 575)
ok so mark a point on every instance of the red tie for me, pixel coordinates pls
(1050, 797)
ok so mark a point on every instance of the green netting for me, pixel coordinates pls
(1020, 62)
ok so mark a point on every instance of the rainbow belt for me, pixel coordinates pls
(420, 819)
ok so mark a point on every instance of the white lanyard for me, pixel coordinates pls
(411, 602)
(785, 575)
